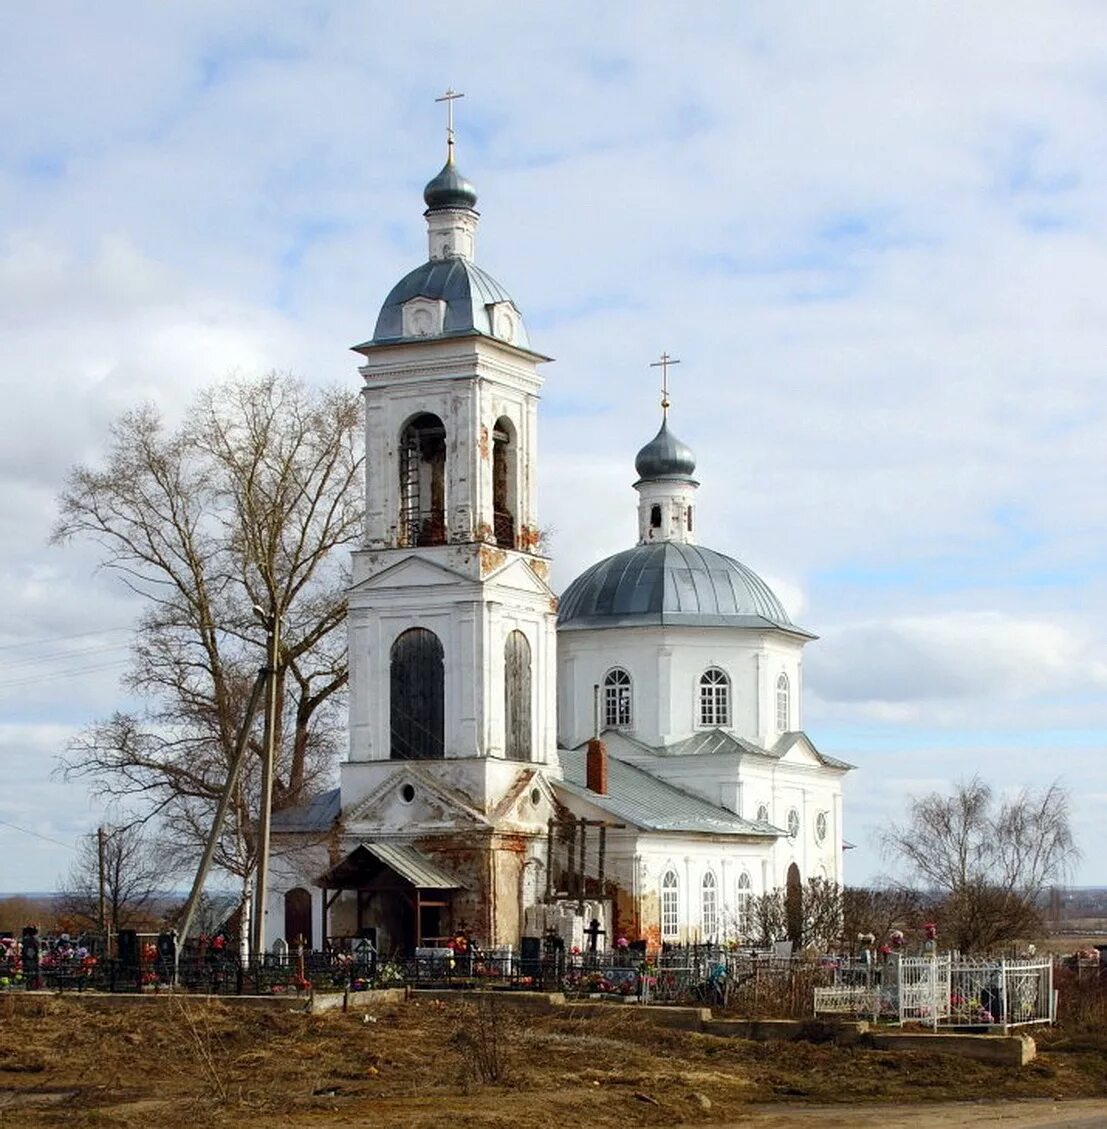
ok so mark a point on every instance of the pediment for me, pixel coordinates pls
(799, 750)
(517, 574)
(519, 804)
(414, 572)
(410, 800)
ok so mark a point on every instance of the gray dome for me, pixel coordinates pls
(449, 189)
(467, 291)
(671, 583)
(665, 456)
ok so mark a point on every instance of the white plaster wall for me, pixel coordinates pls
(665, 665)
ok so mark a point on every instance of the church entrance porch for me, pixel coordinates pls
(403, 900)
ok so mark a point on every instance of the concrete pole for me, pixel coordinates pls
(273, 627)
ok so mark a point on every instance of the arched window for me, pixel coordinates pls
(517, 696)
(616, 699)
(763, 814)
(793, 823)
(714, 697)
(670, 906)
(655, 516)
(423, 481)
(710, 906)
(297, 917)
(689, 517)
(416, 699)
(504, 474)
(782, 703)
(744, 905)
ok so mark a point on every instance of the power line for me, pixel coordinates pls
(37, 835)
(62, 638)
(74, 672)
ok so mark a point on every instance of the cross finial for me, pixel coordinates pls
(663, 364)
(449, 97)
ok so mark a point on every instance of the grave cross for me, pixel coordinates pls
(663, 364)
(594, 933)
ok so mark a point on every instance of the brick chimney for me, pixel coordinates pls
(595, 773)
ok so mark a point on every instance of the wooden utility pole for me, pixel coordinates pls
(273, 628)
(101, 851)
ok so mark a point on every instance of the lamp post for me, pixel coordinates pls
(272, 623)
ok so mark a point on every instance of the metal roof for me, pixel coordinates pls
(467, 291)
(318, 814)
(651, 804)
(422, 872)
(712, 742)
(670, 583)
(665, 456)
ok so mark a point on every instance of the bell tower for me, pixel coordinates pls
(451, 617)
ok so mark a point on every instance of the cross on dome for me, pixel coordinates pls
(449, 98)
(663, 364)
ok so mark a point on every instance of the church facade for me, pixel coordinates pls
(633, 751)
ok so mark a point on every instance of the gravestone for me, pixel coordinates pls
(128, 948)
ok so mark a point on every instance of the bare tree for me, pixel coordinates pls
(879, 910)
(133, 875)
(812, 916)
(989, 861)
(251, 502)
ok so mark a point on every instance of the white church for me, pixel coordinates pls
(632, 751)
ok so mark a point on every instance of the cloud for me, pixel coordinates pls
(873, 236)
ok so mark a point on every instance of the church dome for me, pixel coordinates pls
(472, 299)
(665, 456)
(669, 583)
(449, 189)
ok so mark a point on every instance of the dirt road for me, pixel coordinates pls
(944, 1115)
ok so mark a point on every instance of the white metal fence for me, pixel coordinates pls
(943, 991)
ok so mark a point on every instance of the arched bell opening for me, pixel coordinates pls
(417, 696)
(517, 695)
(505, 467)
(423, 481)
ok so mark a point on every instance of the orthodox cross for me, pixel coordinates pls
(449, 98)
(594, 932)
(664, 364)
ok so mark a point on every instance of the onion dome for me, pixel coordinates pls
(665, 456)
(449, 189)
(667, 583)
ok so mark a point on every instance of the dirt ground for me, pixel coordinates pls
(176, 1063)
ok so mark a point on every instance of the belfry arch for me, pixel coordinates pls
(423, 481)
(505, 488)
(416, 705)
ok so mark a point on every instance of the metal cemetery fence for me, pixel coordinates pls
(944, 991)
(935, 991)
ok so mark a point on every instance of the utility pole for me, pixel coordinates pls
(101, 851)
(272, 623)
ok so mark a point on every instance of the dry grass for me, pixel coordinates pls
(180, 1063)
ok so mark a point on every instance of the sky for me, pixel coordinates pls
(875, 234)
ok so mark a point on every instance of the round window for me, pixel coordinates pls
(407, 793)
(793, 823)
(820, 827)
(535, 797)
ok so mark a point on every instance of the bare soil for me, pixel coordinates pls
(180, 1063)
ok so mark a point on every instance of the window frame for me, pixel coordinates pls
(783, 703)
(794, 818)
(713, 705)
(616, 705)
(670, 905)
(709, 899)
(743, 904)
